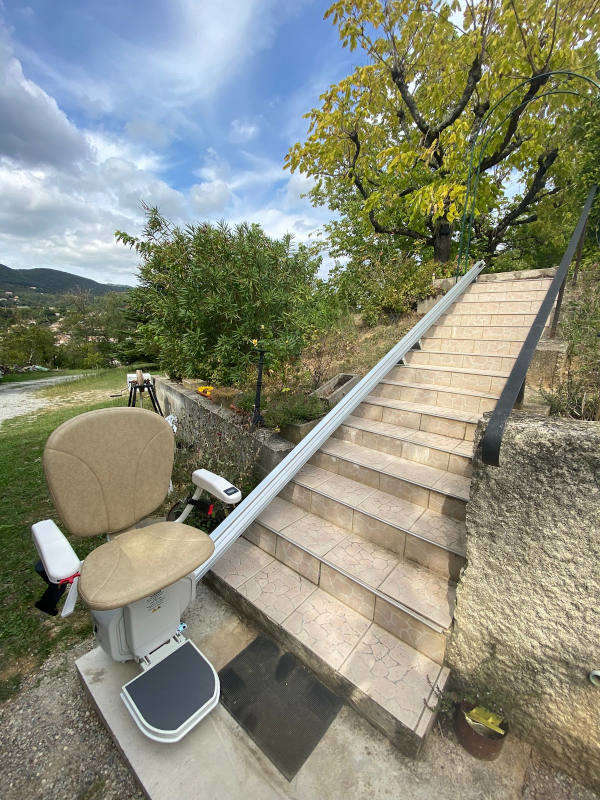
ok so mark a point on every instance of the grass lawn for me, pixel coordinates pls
(26, 635)
(18, 377)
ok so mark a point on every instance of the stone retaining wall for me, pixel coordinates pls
(175, 398)
(527, 622)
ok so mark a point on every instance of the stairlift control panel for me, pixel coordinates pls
(217, 486)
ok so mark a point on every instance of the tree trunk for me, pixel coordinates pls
(442, 242)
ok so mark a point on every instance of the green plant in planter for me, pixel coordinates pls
(285, 407)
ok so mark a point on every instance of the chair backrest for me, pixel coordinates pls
(108, 469)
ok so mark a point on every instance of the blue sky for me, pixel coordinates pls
(187, 104)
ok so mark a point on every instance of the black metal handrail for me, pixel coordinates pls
(492, 438)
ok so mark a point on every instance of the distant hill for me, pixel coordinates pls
(50, 281)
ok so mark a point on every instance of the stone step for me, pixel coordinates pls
(491, 363)
(520, 275)
(504, 333)
(477, 304)
(432, 419)
(432, 395)
(393, 685)
(468, 377)
(393, 474)
(512, 287)
(443, 452)
(383, 515)
(371, 579)
(486, 293)
(486, 347)
(464, 317)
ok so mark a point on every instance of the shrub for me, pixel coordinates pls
(380, 281)
(577, 394)
(285, 408)
(211, 293)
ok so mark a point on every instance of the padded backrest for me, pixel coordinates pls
(108, 469)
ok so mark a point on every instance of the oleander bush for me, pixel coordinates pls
(210, 295)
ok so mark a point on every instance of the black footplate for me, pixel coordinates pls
(168, 699)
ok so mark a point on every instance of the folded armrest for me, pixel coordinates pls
(58, 557)
(219, 487)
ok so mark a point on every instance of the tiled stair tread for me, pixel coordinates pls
(372, 565)
(514, 287)
(520, 275)
(467, 339)
(441, 530)
(494, 373)
(413, 471)
(398, 678)
(434, 440)
(445, 353)
(446, 321)
(438, 387)
(419, 408)
(397, 512)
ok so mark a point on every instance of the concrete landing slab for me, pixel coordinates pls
(218, 761)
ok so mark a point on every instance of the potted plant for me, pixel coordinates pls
(481, 730)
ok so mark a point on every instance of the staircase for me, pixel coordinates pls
(354, 565)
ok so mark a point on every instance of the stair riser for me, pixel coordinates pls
(422, 496)
(487, 295)
(421, 454)
(513, 333)
(476, 347)
(512, 287)
(403, 625)
(457, 317)
(475, 306)
(487, 384)
(431, 397)
(402, 737)
(417, 420)
(416, 358)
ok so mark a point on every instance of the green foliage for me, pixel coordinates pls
(577, 393)
(210, 295)
(285, 407)
(380, 281)
(24, 344)
(388, 147)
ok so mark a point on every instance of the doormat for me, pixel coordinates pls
(279, 702)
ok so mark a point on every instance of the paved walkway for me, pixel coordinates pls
(22, 397)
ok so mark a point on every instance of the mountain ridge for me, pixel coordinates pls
(44, 280)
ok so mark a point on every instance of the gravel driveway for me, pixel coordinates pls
(21, 398)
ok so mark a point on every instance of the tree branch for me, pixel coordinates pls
(377, 226)
(538, 183)
(502, 151)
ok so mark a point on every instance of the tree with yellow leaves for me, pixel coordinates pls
(389, 146)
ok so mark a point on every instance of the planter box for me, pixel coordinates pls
(296, 431)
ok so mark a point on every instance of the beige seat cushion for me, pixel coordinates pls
(140, 562)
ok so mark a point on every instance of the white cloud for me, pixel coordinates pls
(210, 197)
(34, 130)
(242, 131)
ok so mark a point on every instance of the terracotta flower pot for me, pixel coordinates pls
(481, 746)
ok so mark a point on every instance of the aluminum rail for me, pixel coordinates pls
(259, 498)
(492, 438)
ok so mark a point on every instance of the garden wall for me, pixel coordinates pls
(527, 623)
(177, 399)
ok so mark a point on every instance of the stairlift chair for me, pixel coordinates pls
(106, 471)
